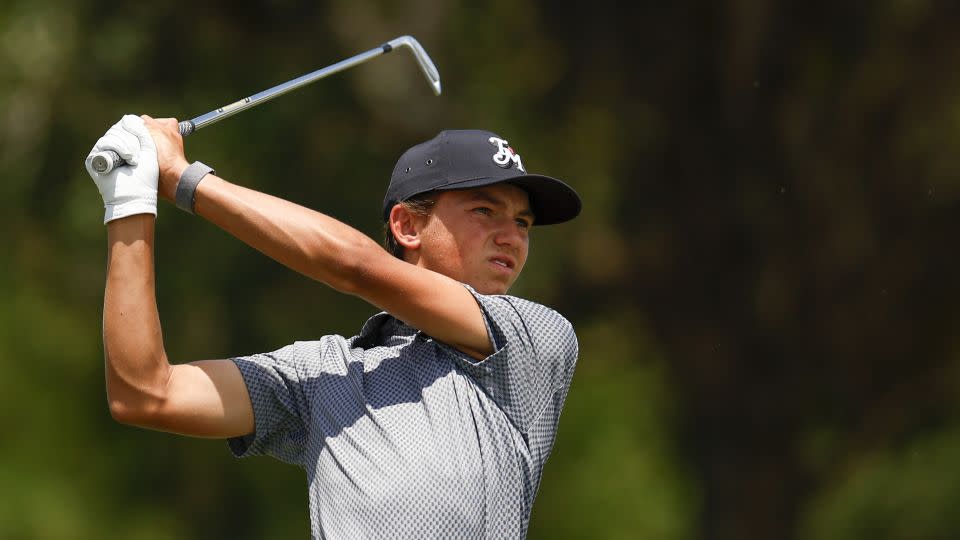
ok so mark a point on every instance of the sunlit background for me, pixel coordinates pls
(763, 279)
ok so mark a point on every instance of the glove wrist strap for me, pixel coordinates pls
(187, 186)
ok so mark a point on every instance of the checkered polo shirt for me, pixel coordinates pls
(402, 436)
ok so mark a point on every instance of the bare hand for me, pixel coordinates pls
(170, 154)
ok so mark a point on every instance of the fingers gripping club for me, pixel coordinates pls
(106, 161)
(103, 162)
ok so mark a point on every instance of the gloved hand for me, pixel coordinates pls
(129, 189)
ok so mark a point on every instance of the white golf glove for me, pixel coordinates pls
(132, 188)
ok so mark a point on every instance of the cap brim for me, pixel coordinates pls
(551, 200)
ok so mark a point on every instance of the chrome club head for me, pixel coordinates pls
(423, 60)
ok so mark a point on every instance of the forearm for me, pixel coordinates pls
(136, 365)
(302, 239)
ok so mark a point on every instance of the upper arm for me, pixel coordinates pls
(208, 398)
(334, 253)
(429, 301)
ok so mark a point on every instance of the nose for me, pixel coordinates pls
(509, 234)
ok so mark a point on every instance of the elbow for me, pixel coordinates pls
(140, 413)
(132, 404)
(123, 411)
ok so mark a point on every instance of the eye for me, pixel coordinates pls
(483, 210)
(523, 223)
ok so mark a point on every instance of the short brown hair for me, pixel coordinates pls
(420, 204)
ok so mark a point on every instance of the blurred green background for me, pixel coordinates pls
(762, 280)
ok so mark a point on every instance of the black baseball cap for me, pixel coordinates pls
(469, 158)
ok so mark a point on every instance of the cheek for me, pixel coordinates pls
(441, 246)
(523, 257)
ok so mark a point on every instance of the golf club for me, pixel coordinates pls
(104, 162)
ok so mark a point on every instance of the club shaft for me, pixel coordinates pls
(103, 162)
(229, 110)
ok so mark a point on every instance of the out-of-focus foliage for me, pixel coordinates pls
(903, 492)
(763, 278)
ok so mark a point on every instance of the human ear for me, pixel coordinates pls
(405, 227)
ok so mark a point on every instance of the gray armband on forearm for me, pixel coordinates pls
(187, 186)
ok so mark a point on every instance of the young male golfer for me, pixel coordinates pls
(435, 421)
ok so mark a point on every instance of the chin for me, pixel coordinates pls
(491, 288)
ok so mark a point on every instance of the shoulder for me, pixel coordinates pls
(513, 306)
(299, 360)
(514, 316)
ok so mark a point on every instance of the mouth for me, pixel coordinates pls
(503, 261)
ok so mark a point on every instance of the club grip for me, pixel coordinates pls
(107, 160)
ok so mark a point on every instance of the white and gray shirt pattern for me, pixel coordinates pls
(402, 436)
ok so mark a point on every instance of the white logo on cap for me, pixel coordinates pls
(505, 154)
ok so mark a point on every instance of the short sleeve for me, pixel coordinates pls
(274, 382)
(535, 353)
